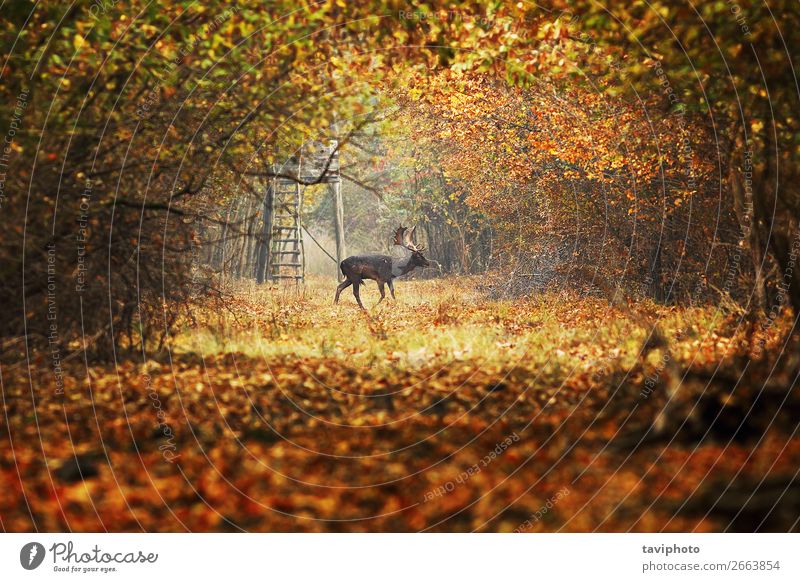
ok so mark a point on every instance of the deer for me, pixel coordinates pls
(382, 269)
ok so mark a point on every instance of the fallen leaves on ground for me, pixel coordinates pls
(443, 411)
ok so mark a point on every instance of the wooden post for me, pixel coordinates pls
(338, 219)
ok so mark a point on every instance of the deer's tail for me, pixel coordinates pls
(350, 276)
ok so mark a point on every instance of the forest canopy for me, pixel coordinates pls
(136, 119)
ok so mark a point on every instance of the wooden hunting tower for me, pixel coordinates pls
(317, 163)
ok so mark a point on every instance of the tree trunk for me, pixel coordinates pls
(265, 239)
(784, 240)
(248, 249)
(338, 220)
(743, 205)
(656, 285)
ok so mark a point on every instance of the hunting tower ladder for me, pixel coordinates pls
(287, 254)
(318, 163)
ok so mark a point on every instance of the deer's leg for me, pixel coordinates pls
(382, 289)
(342, 286)
(356, 285)
(391, 289)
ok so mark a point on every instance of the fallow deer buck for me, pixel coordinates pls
(382, 268)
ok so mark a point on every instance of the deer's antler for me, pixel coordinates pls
(410, 244)
(405, 239)
(400, 236)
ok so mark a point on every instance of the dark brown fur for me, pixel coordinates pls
(380, 268)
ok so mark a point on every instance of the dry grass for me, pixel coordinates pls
(439, 322)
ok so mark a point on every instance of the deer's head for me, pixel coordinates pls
(405, 239)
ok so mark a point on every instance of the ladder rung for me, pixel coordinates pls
(285, 216)
(287, 264)
(286, 276)
(284, 227)
(285, 240)
(286, 252)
